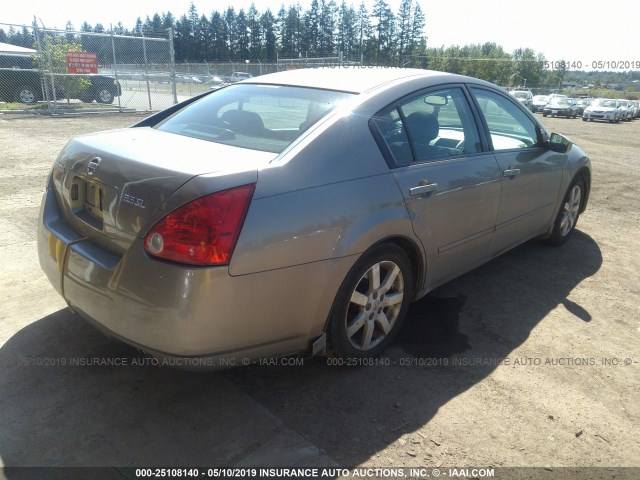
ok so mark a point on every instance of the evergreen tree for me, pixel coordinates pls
(385, 30)
(242, 36)
(230, 21)
(255, 36)
(326, 28)
(405, 31)
(219, 36)
(312, 24)
(363, 28)
(268, 22)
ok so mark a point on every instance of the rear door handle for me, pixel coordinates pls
(511, 172)
(423, 187)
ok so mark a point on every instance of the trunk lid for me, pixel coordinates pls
(109, 184)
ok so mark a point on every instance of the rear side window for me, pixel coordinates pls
(509, 126)
(259, 117)
(429, 126)
(16, 62)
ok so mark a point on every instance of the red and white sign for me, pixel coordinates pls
(82, 62)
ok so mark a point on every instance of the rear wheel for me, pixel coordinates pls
(26, 95)
(104, 95)
(371, 304)
(567, 218)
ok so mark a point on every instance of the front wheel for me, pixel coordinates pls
(105, 96)
(567, 218)
(371, 304)
(26, 95)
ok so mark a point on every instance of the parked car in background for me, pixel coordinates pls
(216, 82)
(602, 109)
(237, 76)
(636, 108)
(338, 196)
(525, 96)
(188, 79)
(21, 81)
(582, 103)
(626, 109)
(538, 103)
(561, 106)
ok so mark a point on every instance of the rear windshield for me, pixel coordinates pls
(260, 117)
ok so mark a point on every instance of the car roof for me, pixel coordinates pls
(347, 79)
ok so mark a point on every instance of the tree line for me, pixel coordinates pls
(325, 29)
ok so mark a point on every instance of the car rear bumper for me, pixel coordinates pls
(173, 311)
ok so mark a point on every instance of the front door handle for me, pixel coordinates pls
(511, 172)
(423, 187)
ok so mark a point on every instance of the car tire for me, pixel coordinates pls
(544, 114)
(104, 95)
(26, 94)
(584, 119)
(371, 304)
(567, 218)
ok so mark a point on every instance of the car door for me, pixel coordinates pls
(451, 187)
(531, 173)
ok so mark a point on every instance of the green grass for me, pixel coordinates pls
(17, 106)
(602, 93)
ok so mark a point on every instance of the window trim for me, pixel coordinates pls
(485, 126)
(396, 104)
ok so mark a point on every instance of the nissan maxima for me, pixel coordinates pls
(299, 212)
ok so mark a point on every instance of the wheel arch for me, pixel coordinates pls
(416, 260)
(585, 173)
(415, 256)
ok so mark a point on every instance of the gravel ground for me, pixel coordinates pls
(530, 360)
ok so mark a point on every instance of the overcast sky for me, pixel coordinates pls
(562, 30)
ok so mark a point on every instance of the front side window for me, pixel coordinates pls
(431, 126)
(259, 117)
(509, 126)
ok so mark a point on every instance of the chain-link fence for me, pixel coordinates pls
(60, 70)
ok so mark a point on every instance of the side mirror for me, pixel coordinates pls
(559, 143)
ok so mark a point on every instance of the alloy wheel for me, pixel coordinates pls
(570, 210)
(375, 305)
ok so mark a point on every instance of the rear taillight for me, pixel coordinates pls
(202, 232)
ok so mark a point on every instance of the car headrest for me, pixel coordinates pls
(241, 121)
(423, 127)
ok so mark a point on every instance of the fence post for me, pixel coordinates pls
(115, 70)
(172, 60)
(146, 68)
(50, 65)
(41, 53)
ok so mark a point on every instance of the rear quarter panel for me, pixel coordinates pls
(334, 197)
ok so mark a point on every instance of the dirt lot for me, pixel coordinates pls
(530, 360)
